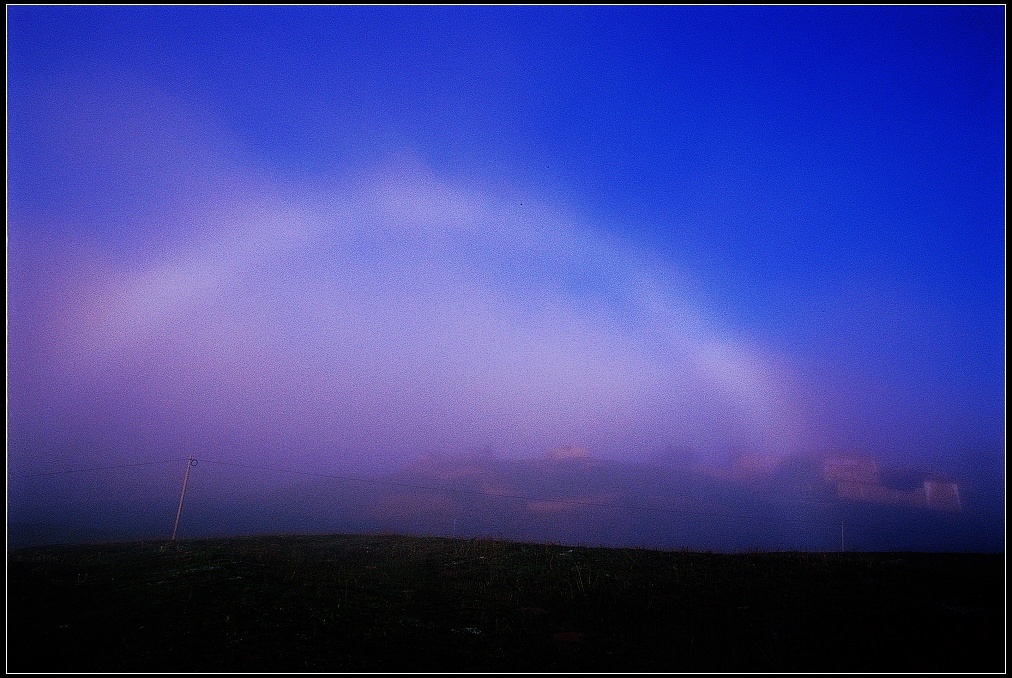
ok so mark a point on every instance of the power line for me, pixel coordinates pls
(522, 497)
(682, 511)
(94, 468)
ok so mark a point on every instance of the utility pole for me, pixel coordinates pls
(190, 461)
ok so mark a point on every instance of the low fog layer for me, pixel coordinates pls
(562, 498)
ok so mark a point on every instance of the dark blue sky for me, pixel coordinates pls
(381, 231)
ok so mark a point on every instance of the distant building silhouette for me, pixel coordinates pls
(941, 494)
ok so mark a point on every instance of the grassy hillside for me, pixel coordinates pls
(389, 603)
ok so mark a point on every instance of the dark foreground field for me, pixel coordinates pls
(387, 603)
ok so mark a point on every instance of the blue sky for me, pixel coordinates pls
(385, 230)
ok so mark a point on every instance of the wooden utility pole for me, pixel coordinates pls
(190, 461)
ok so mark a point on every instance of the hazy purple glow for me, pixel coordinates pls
(364, 294)
(399, 313)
